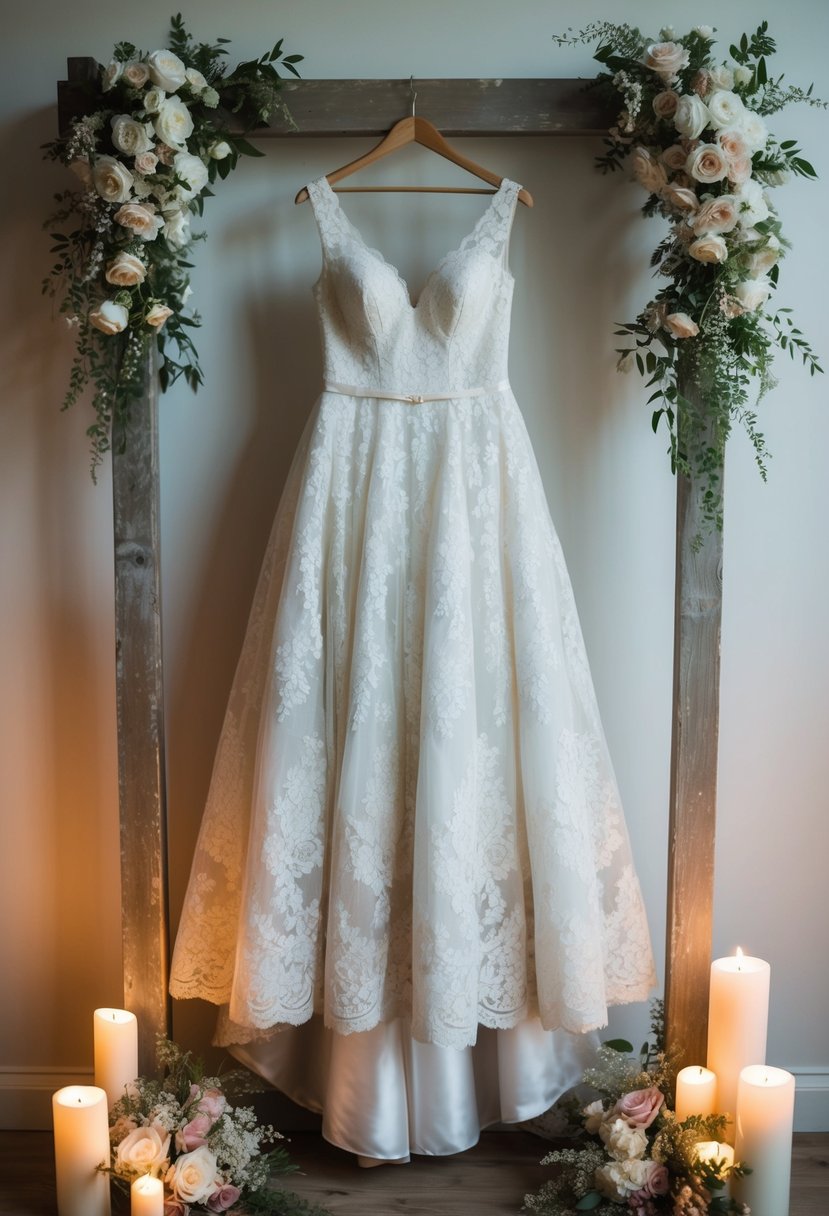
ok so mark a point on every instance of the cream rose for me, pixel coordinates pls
(707, 163)
(680, 197)
(142, 1152)
(220, 150)
(193, 1177)
(177, 227)
(153, 100)
(622, 1141)
(665, 103)
(691, 117)
(192, 171)
(721, 77)
(136, 73)
(726, 109)
(173, 123)
(156, 316)
(667, 59)
(146, 162)
(111, 179)
(129, 136)
(674, 158)
(112, 74)
(742, 74)
(166, 70)
(647, 170)
(620, 1179)
(709, 248)
(125, 270)
(716, 215)
(195, 80)
(140, 220)
(594, 1113)
(753, 293)
(681, 325)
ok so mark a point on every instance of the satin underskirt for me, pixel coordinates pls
(382, 1094)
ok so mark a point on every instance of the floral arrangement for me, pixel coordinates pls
(187, 1131)
(156, 134)
(630, 1153)
(694, 130)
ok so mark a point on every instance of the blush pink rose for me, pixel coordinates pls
(175, 1207)
(657, 1183)
(640, 1108)
(212, 1102)
(193, 1134)
(223, 1198)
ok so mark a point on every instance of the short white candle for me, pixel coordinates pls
(696, 1092)
(81, 1121)
(116, 1050)
(716, 1151)
(738, 1014)
(765, 1116)
(147, 1197)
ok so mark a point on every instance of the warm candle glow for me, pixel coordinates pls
(765, 1114)
(739, 957)
(79, 1115)
(738, 1010)
(147, 1197)
(696, 1092)
(116, 1051)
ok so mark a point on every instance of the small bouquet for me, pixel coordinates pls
(189, 1131)
(630, 1153)
(693, 128)
(157, 130)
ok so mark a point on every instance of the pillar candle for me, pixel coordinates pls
(116, 1050)
(738, 1014)
(717, 1151)
(696, 1092)
(147, 1197)
(765, 1116)
(81, 1124)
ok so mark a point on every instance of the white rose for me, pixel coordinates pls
(220, 150)
(153, 100)
(166, 70)
(681, 325)
(753, 293)
(195, 80)
(142, 1151)
(742, 74)
(173, 122)
(192, 171)
(186, 294)
(665, 103)
(192, 1178)
(726, 109)
(112, 74)
(716, 215)
(111, 179)
(141, 188)
(177, 227)
(755, 132)
(762, 260)
(667, 59)
(647, 171)
(707, 163)
(129, 136)
(594, 1113)
(751, 203)
(140, 220)
(691, 117)
(157, 315)
(136, 73)
(125, 270)
(704, 31)
(623, 1142)
(616, 1181)
(709, 248)
(777, 177)
(722, 77)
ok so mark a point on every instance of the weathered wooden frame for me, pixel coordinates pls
(370, 107)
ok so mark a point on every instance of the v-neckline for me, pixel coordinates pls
(384, 261)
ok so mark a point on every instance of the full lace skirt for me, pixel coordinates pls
(412, 812)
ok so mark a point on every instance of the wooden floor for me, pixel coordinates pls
(489, 1180)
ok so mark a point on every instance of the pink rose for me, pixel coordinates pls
(211, 1102)
(640, 1108)
(175, 1207)
(657, 1182)
(223, 1198)
(193, 1134)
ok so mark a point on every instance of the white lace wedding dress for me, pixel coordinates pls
(412, 892)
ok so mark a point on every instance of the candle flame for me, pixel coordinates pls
(739, 958)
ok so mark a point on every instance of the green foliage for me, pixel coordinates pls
(86, 237)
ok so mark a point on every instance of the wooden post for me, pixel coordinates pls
(140, 709)
(698, 611)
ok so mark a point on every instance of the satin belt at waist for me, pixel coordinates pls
(354, 390)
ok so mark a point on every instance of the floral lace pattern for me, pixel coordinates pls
(412, 810)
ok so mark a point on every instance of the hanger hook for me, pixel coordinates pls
(413, 92)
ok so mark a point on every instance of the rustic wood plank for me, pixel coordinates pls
(698, 611)
(524, 106)
(140, 710)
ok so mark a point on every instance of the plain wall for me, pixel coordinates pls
(580, 258)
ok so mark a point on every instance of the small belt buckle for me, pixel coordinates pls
(414, 399)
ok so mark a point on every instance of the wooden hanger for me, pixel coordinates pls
(414, 129)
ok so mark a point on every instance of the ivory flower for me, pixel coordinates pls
(140, 220)
(722, 77)
(136, 73)
(674, 158)
(622, 1141)
(716, 215)
(707, 163)
(195, 80)
(594, 1113)
(173, 123)
(763, 259)
(709, 248)
(111, 179)
(129, 136)
(220, 150)
(146, 162)
(125, 270)
(153, 100)
(142, 1151)
(681, 326)
(192, 1178)
(112, 74)
(192, 171)
(667, 59)
(691, 117)
(726, 109)
(177, 227)
(619, 1179)
(680, 197)
(752, 205)
(753, 293)
(166, 70)
(754, 130)
(647, 170)
(665, 103)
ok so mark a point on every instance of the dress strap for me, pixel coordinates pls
(331, 222)
(492, 231)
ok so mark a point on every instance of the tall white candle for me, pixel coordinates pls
(147, 1197)
(116, 1050)
(765, 1116)
(714, 1151)
(696, 1092)
(81, 1121)
(738, 1014)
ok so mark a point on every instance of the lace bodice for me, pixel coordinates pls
(455, 336)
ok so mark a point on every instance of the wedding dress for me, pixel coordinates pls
(412, 893)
